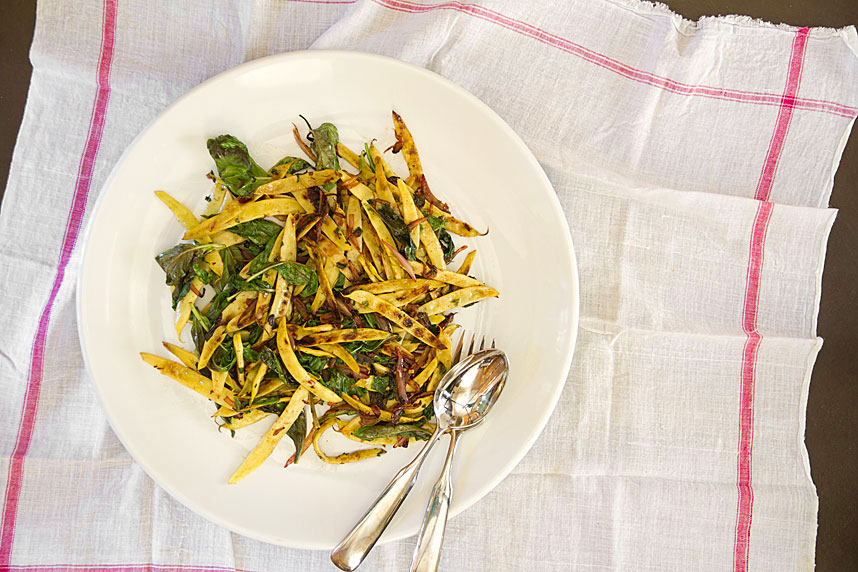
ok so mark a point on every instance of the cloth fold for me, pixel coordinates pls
(694, 161)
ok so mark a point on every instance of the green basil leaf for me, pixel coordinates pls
(437, 223)
(178, 266)
(313, 364)
(297, 274)
(270, 359)
(259, 231)
(235, 166)
(446, 244)
(297, 432)
(370, 432)
(325, 139)
(380, 384)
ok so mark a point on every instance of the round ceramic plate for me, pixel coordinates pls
(472, 160)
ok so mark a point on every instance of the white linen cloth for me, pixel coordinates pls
(694, 162)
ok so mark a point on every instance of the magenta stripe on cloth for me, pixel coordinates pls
(73, 224)
(744, 462)
(147, 567)
(324, 1)
(745, 504)
(793, 82)
(620, 68)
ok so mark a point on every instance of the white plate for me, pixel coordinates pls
(472, 159)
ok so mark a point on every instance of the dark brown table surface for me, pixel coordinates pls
(832, 422)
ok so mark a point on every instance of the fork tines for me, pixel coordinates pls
(457, 353)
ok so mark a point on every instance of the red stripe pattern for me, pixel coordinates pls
(72, 229)
(149, 567)
(620, 68)
(793, 82)
(744, 461)
(324, 1)
(745, 504)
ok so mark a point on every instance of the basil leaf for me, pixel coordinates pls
(218, 303)
(399, 231)
(446, 244)
(204, 276)
(364, 347)
(259, 231)
(250, 354)
(235, 167)
(297, 432)
(260, 261)
(342, 383)
(395, 223)
(313, 364)
(369, 432)
(295, 164)
(297, 274)
(312, 287)
(340, 283)
(325, 139)
(380, 384)
(223, 357)
(437, 223)
(255, 285)
(198, 331)
(270, 359)
(178, 266)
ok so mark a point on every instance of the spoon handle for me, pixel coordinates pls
(357, 543)
(427, 553)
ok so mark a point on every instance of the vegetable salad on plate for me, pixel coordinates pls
(318, 292)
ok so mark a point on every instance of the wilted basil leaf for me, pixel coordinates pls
(313, 364)
(235, 166)
(369, 432)
(297, 432)
(399, 231)
(295, 164)
(223, 357)
(342, 383)
(260, 261)
(259, 231)
(380, 384)
(325, 139)
(446, 244)
(178, 266)
(270, 359)
(296, 274)
(437, 223)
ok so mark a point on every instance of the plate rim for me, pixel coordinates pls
(557, 211)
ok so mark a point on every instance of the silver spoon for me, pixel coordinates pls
(463, 398)
(459, 406)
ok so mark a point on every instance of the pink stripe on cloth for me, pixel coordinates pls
(73, 223)
(147, 567)
(618, 67)
(324, 1)
(744, 461)
(745, 504)
(793, 82)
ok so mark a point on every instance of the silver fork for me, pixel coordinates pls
(349, 554)
(427, 552)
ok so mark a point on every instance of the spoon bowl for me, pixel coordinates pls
(469, 390)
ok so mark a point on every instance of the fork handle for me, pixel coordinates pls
(427, 553)
(357, 543)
